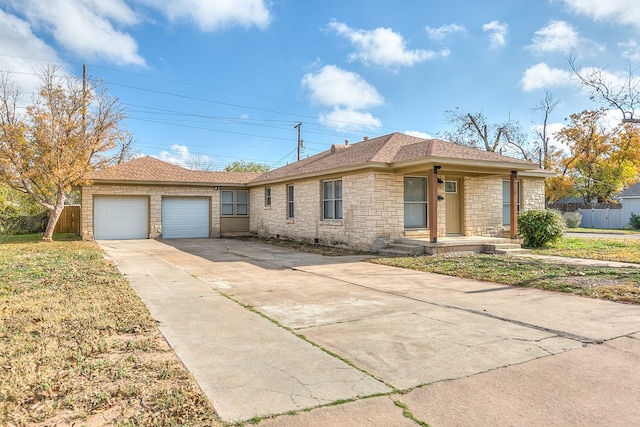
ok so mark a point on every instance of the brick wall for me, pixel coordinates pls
(155, 194)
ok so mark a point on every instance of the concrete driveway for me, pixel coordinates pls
(298, 339)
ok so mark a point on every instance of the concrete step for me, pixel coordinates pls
(411, 249)
(391, 253)
(397, 249)
(504, 249)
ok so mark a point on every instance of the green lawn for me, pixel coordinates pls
(78, 347)
(607, 249)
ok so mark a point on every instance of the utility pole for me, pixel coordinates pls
(298, 126)
(84, 100)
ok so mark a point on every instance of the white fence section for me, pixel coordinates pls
(602, 218)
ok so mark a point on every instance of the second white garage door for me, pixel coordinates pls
(185, 217)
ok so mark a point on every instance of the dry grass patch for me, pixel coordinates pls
(79, 347)
(612, 283)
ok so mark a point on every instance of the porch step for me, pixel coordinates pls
(504, 249)
(401, 249)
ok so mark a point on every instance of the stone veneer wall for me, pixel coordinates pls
(372, 212)
(483, 203)
(532, 193)
(483, 206)
(155, 194)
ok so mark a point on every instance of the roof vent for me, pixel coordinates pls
(346, 142)
(365, 138)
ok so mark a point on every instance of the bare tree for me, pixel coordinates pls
(472, 130)
(71, 128)
(545, 107)
(623, 96)
(199, 162)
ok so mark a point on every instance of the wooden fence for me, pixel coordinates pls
(69, 221)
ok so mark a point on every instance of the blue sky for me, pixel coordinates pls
(227, 80)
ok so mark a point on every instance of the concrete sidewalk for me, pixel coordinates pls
(461, 352)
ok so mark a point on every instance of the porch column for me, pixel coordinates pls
(513, 204)
(433, 205)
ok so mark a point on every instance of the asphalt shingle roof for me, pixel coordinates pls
(633, 191)
(389, 149)
(385, 150)
(149, 169)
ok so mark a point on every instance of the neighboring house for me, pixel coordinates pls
(630, 201)
(362, 195)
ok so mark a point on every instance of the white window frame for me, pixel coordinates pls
(424, 203)
(332, 199)
(291, 211)
(237, 207)
(506, 200)
(267, 197)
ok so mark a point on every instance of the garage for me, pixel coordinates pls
(185, 217)
(120, 218)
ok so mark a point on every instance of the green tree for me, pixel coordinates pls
(71, 128)
(245, 166)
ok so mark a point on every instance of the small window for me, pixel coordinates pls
(290, 202)
(267, 196)
(451, 187)
(234, 203)
(332, 199)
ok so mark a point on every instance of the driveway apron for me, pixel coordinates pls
(236, 313)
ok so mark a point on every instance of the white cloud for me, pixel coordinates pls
(418, 134)
(85, 27)
(345, 119)
(624, 12)
(382, 46)
(333, 86)
(347, 93)
(497, 33)
(630, 50)
(180, 155)
(211, 15)
(541, 76)
(444, 31)
(557, 36)
(19, 44)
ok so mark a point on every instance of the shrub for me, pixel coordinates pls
(572, 219)
(634, 221)
(537, 228)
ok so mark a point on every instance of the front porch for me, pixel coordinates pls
(412, 246)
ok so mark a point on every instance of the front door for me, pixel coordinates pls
(452, 206)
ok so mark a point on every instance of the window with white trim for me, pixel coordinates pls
(235, 203)
(332, 199)
(267, 196)
(290, 202)
(415, 202)
(506, 201)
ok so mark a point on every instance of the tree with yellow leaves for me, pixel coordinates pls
(71, 127)
(601, 161)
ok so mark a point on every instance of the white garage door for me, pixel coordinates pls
(185, 217)
(120, 218)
